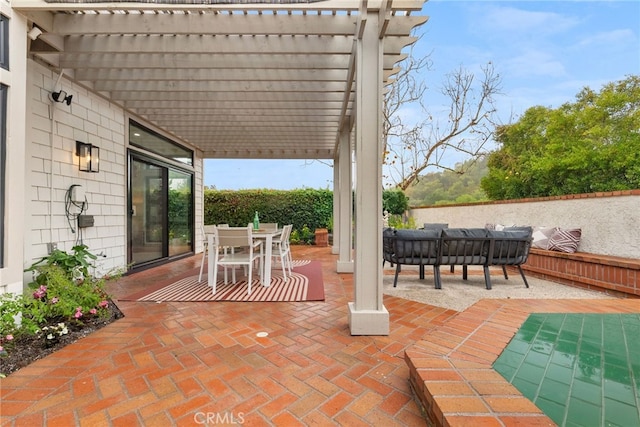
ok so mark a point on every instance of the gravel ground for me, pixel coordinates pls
(458, 294)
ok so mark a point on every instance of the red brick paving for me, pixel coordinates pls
(178, 363)
(185, 364)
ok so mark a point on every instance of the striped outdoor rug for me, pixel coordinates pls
(305, 284)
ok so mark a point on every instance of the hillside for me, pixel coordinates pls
(447, 187)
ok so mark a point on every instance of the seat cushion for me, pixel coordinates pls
(541, 236)
(434, 226)
(416, 246)
(565, 240)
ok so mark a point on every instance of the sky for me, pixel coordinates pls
(546, 52)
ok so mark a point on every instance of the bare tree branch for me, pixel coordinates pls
(412, 147)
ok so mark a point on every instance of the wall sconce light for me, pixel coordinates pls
(89, 157)
(34, 33)
(61, 96)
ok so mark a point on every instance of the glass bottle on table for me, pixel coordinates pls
(256, 221)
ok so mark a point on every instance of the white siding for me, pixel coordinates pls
(53, 168)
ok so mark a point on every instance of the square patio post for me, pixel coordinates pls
(367, 314)
(335, 248)
(344, 219)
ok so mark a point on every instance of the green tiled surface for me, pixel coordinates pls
(579, 369)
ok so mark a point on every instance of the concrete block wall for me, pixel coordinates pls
(609, 221)
(52, 168)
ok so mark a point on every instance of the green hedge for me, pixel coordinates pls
(306, 209)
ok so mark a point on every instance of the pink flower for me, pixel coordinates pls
(41, 292)
(93, 311)
(54, 300)
(9, 337)
(104, 304)
(78, 314)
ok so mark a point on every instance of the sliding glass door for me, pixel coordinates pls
(161, 211)
(148, 212)
(180, 212)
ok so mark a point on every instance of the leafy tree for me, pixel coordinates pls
(395, 202)
(592, 144)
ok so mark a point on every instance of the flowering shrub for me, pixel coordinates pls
(63, 298)
(5, 341)
(51, 334)
(62, 295)
(11, 307)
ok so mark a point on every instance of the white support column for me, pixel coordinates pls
(335, 248)
(16, 215)
(345, 258)
(367, 314)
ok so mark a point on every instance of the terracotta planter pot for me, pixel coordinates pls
(322, 237)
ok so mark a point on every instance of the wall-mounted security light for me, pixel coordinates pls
(88, 157)
(34, 33)
(61, 96)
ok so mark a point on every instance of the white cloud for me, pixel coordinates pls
(535, 63)
(610, 38)
(513, 21)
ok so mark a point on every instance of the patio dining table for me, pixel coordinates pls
(263, 234)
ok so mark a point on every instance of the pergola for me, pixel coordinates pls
(267, 79)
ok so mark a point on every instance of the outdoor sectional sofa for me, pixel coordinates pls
(440, 246)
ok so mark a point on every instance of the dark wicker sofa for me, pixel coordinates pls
(457, 246)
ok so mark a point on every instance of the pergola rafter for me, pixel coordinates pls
(233, 80)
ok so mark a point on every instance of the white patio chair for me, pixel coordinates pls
(282, 251)
(206, 230)
(235, 237)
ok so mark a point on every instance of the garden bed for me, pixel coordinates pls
(26, 349)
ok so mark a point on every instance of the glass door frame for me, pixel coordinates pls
(133, 155)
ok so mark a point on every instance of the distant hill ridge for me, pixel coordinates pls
(449, 187)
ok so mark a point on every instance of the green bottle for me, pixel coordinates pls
(256, 221)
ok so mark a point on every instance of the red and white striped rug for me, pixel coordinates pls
(305, 284)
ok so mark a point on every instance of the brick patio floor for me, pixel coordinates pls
(179, 363)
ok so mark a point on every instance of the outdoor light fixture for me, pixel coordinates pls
(61, 96)
(34, 33)
(88, 157)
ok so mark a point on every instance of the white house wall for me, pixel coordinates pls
(52, 167)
